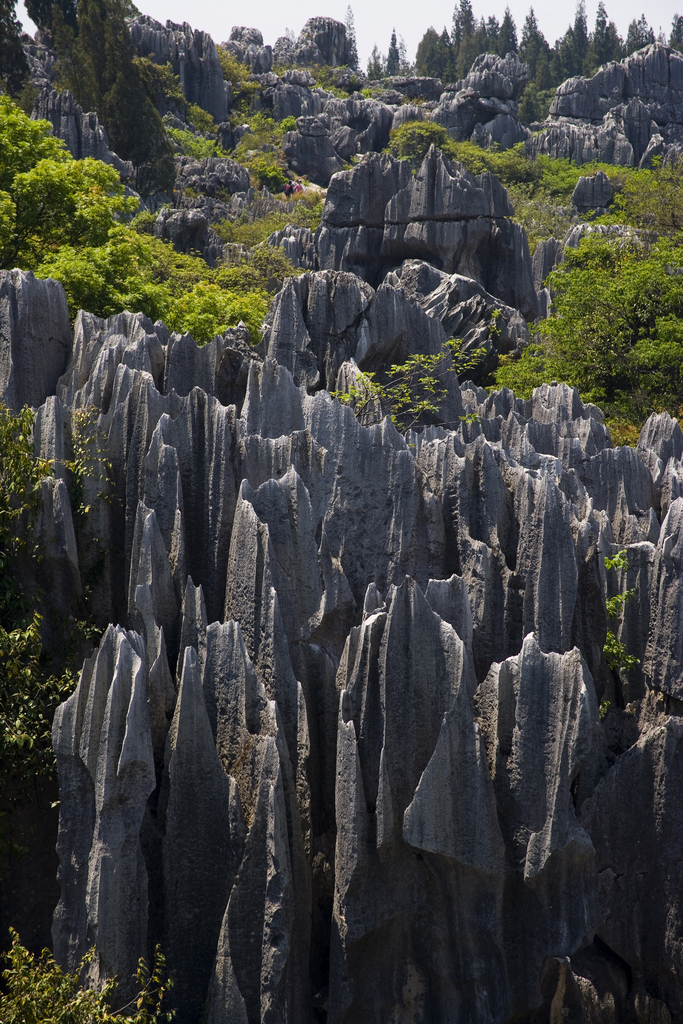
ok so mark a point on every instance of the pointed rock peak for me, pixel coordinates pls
(193, 629)
(373, 602)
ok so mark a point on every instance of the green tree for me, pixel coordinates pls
(639, 34)
(676, 37)
(605, 43)
(492, 34)
(97, 66)
(617, 332)
(376, 64)
(393, 57)
(47, 199)
(13, 64)
(580, 37)
(41, 12)
(434, 57)
(532, 44)
(39, 992)
(351, 36)
(507, 39)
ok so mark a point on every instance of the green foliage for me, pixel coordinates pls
(161, 85)
(13, 63)
(105, 279)
(56, 203)
(651, 199)
(411, 141)
(39, 992)
(193, 145)
(209, 310)
(617, 332)
(305, 211)
(265, 268)
(28, 695)
(268, 173)
(413, 391)
(234, 71)
(24, 143)
(288, 124)
(97, 65)
(616, 654)
(202, 121)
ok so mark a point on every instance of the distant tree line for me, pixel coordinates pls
(449, 56)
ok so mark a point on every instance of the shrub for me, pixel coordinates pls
(268, 173)
(617, 334)
(39, 992)
(209, 310)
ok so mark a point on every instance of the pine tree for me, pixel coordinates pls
(605, 44)
(41, 12)
(351, 36)
(13, 64)
(393, 57)
(492, 34)
(676, 37)
(507, 40)
(376, 64)
(532, 44)
(639, 34)
(97, 66)
(404, 65)
(434, 57)
(580, 37)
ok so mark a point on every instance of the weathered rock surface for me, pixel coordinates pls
(193, 57)
(442, 215)
(247, 45)
(593, 193)
(343, 751)
(614, 115)
(82, 133)
(483, 105)
(35, 338)
(321, 41)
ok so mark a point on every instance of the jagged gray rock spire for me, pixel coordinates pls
(342, 752)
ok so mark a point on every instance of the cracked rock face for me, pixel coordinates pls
(625, 114)
(339, 749)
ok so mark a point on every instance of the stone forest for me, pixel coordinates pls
(341, 523)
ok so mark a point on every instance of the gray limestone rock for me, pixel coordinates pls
(638, 882)
(35, 338)
(82, 133)
(103, 745)
(193, 57)
(297, 244)
(483, 105)
(593, 193)
(356, 764)
(322, 41)
(309, 151)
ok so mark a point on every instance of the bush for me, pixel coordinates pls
(202, 120)
(39, 992)
(268, 174)
(411, 141)
(209, 310)
(617, 334)
(193, 145)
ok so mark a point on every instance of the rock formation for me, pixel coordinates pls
(483, 105)
(615, 115)
(191, 54)
(82, 133)
(378, 215)
(339, 749)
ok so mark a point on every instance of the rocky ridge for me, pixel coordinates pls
(339, 748)
(625, 114)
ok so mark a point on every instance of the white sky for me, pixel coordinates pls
(375, 20)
